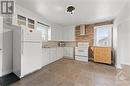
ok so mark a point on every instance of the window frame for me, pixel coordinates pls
(48, 29)
(95, 38)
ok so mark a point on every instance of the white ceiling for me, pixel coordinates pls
(87, 11)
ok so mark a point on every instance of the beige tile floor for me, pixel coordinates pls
(67, 72)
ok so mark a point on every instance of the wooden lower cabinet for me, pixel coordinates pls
(102, 54)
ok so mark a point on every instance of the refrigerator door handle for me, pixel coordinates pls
(22, 49)
(22, 38)
(22, 34)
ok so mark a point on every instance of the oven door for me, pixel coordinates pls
(81, 52)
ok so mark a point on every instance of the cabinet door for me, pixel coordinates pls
(53, 34)
(68, 52)
(102, 54)
(59, 53)
(69, 34)
(59, 34)
(52, 55)
(48, 56)
(56, 34)
(45, 58)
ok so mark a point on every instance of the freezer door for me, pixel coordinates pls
(31, 59)
(33, 35)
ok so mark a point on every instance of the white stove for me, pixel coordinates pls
(81, 52)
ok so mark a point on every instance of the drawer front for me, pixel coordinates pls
(80, 58)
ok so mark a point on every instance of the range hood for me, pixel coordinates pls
(82, 30)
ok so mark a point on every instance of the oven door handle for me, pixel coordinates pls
(80, 50)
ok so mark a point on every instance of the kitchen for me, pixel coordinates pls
(72, 44)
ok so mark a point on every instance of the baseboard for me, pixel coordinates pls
(67, 57)
(6, 72)
(118, 66)
(0, 74)
(126, 63)
(8, 79)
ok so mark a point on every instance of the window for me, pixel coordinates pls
(44, 29)
(103, 35)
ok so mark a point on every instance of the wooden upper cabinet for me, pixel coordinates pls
(102, 54)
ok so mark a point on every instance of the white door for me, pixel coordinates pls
(53, 54)
(1, 44)
(31, 57)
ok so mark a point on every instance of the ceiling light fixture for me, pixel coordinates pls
(70, 9)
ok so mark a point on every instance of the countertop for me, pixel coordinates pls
(59, 47)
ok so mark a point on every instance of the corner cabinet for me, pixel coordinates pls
(50, 55)
(69, 52)
(69, 33)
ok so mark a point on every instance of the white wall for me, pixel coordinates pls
(121, 34)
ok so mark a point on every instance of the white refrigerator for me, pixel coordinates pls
(27, 51)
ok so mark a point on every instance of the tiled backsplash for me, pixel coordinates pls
(55, 44)
(70, 44)
(50, 44)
